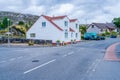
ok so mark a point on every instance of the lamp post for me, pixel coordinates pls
(8, 33)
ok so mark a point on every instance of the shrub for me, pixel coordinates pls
(31, 43)
(58, 41)
(3, 31)
(113, 33)
(82, 37)
(103, 34)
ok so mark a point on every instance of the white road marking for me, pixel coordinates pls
(21, 50)
(70, 53)
(82, 48)
(64, 55)
(3, 61)
(94, 66)
(92, 45)
(18, 50)
(98, 61)
(30, 70)
(20, 57)
(12, 59)
(90, 68)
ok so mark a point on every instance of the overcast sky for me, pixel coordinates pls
(86, 11)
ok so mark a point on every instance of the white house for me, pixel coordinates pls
(100, 28)
(75, 34)
(54, 28)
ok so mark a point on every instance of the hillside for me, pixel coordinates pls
(17, 28)
(16, 17)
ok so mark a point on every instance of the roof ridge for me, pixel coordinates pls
(73, 20)
(50, 20)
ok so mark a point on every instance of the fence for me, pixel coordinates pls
(22, 40)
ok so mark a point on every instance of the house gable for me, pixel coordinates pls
(93, 28)
(50, 20)
(74, 24)
(50, 32)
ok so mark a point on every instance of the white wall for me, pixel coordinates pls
(50, 32)
(73, 26)
(61, 23)
(95, 29)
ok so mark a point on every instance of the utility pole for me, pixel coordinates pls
(8, 32)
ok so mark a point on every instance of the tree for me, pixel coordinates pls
(1, 25)
(83, 29)
(26, 26)
(5, 23)
(116, 21)
(21, 23)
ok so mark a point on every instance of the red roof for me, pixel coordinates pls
(71, 30)
(50, 20)
(73, 20)
(58, 17)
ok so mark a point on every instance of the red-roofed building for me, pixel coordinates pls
(74, 23)
(54, 28)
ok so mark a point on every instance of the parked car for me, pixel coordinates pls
(101, 38)
(113, 36)
(90, 36)
(93, 36)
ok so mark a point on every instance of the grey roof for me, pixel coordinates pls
(105, 25)
(111, 25)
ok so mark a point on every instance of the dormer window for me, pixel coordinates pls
(101, 30)
(43, 24)
(92, 26)
(66, 23)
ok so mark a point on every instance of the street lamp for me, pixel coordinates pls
(8, 33)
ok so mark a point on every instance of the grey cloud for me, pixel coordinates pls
(83, 9)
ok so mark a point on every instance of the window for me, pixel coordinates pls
(76, 26)
(66, 34)
(43, 24)
(101, 30)
(71, 34)
(32, 35)
(92, 26)
(76, 35)
(66, 23)
(66, 30)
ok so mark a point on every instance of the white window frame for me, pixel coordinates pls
(32, 35)
(43, 24)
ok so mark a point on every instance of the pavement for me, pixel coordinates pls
(111, 53)
(23, 45)
(82, 61)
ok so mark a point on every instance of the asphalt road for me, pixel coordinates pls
(82, 61)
